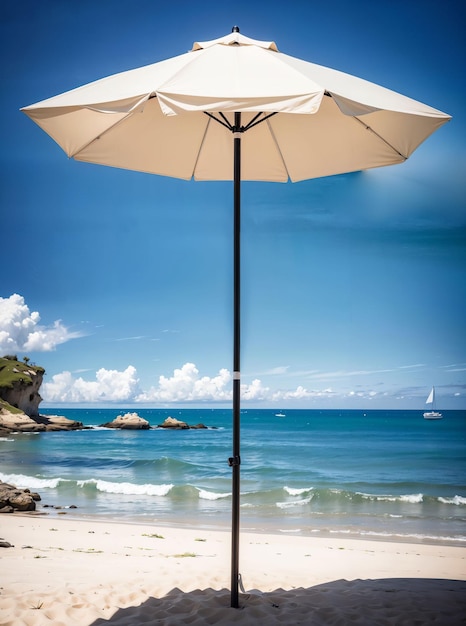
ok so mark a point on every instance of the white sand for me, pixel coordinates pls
(64, 572)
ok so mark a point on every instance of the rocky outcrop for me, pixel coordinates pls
(13, 499)
(18, 423)
(20, 399)
(21, 423)
(129, 421)
(175, 424)
(132, 421)
(58, 422)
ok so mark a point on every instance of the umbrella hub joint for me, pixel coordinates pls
(234, 461)
(237, 128)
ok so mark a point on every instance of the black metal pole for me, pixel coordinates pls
(236, 460)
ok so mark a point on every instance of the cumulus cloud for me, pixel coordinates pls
(108, 386)
(21, 331)
(185, 385)
(255, 391)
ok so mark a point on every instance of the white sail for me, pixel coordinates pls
(431, 396)
(432, 414)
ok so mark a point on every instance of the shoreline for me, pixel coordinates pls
(75, 571)
(270, 529)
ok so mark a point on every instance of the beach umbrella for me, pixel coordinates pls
(236, 109)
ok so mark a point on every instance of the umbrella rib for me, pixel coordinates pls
(255, 121)
(201, 144)
(226, 123)
(278, 146)
(252, 121)
(367, 127)
(117, 123)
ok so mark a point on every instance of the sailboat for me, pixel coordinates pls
(433, 414)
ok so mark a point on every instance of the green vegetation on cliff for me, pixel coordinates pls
(11, 409)
(13, 371)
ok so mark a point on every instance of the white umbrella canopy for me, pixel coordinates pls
(289, 119)
(153, 119)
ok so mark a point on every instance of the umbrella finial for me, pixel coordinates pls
(235, 29)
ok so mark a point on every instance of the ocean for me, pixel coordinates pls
(375, 474)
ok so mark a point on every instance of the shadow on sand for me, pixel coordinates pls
(379, 602)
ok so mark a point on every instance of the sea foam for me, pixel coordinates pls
(211, 495)
(297, 492)
(30, 482)
(412, 498)
(458, 500)
(127, 488)
(289, 505)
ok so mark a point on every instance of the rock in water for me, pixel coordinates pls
(129, 421)
(172, 422)
(14, 499)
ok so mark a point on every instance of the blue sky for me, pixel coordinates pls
(120, 283)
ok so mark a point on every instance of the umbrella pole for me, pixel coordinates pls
(236, 460)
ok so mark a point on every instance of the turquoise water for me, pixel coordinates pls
(377, 474)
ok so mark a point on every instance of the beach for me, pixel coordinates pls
(67, 571)
(347, 517)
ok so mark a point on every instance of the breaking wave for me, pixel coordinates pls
(31, 482)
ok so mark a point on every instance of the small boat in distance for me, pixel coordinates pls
(433, 414)
(280, 415)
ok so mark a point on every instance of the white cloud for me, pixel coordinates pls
(255, 391)
(136, 338)
(301, 393)
(185, 385)
(277, 371)
(337, 374)
(20, 329)
(109, 386)
(366, 394)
